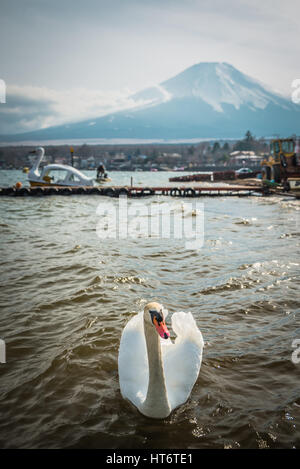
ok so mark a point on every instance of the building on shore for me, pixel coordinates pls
(245, 158)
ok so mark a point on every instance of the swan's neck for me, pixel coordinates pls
(35, 167)
(156, 404)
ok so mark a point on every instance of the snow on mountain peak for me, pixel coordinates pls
(219, 83)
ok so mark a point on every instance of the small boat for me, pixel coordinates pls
(55, 174)
(25, 169)
(103, 179)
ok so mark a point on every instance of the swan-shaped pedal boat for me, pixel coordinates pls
(155, 374)
(47, 176)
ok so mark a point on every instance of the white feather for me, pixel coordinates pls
(181, 360)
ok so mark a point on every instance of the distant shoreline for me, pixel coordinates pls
(117, 141)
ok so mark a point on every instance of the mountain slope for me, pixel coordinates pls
(206, 100)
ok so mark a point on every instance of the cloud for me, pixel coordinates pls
(29, 108)
(66, 55)
(134, 43)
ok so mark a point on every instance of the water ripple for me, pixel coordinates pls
(66, 295)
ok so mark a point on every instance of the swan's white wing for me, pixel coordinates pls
(133, 362)
(182, 360)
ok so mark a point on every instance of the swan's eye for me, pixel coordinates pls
(155, 315)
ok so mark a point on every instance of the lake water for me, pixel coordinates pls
(118, 178)
(67, 292)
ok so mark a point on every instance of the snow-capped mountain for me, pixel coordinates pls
(219, 84)
(206, 100)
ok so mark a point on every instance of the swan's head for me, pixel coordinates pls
(38, 151)
(154, 316)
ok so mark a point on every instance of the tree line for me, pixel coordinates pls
(208, 152)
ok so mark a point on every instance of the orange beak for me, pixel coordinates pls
(161, 328)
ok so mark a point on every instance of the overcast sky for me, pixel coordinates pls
(97, 52)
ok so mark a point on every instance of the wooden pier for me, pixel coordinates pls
(129, 191)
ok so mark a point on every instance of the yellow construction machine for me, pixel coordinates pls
(283, 165)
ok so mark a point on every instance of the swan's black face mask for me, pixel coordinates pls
(159, 323)
(157, 315)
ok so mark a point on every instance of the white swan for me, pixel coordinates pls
(155, 374)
